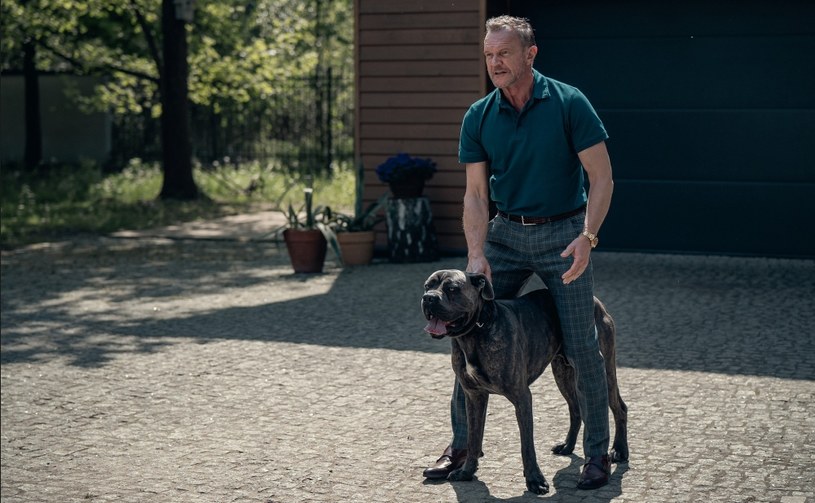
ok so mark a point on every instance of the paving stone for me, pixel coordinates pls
(155, 369)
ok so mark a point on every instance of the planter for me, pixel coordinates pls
(407, 189)
(306, 249)
(411, 233)
(357, 248)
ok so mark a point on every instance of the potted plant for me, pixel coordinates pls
(307, 234)
(406, 175)
(355, 234)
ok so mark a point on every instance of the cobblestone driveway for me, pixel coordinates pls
(144, 370)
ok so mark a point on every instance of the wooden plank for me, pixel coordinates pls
(405, 6)
(419, 52)
(465, 19)
(453, 195)
(424, 148)
(413, 83)
(445, 163)
(453, 245)
(413, 115)
(446, 35)
(429, 68)
(420, 100)
(414, 131)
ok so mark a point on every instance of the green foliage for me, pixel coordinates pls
(67, 200)
(363, 219)
(238, 50)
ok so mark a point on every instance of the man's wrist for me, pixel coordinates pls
(592, 237)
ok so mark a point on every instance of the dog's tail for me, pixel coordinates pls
(607, 337)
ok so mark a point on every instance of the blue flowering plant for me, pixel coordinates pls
(402, 167)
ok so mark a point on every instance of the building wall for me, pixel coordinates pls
(68, 134)
(711, 115)
(419, 67)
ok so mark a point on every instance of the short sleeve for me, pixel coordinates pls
(470, 148)
(585, 125)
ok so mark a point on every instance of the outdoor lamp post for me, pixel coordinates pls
(184, 10)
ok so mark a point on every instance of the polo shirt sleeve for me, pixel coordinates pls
(470, 148)
(586, 127)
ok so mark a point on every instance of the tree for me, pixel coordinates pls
(236, 52)
(175, 124)
(33, 120)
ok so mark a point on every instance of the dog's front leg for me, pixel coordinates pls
(476, 417)
(535, 481)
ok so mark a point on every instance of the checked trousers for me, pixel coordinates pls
(515, 252)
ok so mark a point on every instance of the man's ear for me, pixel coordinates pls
(481, 282)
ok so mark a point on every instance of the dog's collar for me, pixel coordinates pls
(486, 315)
(482, 322)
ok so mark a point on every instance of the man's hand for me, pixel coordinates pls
(580, 249)
(479, 264)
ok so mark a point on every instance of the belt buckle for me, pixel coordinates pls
(523, 222)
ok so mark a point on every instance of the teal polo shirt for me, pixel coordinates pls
(532, 154)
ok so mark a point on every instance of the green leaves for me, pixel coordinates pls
(238, 51)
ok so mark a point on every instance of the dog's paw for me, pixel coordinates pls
(537, 484)
(460, 475)
(619, 456)
(563, 449)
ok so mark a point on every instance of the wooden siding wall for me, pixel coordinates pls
(418, 69)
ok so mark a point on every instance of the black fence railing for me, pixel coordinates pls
(306, 126)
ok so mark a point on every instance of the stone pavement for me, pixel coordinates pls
(155, 369)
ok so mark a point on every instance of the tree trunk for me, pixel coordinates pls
(175, 117)
(33, 119)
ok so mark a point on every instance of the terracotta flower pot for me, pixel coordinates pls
(306, 249)
(357, 248)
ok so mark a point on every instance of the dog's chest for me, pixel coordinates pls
(471, 372)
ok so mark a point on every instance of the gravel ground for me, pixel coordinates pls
(156, 369)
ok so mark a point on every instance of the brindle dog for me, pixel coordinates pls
(501, 347)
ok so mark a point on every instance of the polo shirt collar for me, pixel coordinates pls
(540, 89)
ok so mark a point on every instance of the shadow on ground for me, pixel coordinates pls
(92, 301)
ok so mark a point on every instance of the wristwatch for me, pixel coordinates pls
(592, 237)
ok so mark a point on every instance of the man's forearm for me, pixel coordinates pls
(599, 202)
(475, 218)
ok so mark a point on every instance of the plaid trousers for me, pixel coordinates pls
(516, 252)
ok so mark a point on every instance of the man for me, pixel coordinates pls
(527, 144)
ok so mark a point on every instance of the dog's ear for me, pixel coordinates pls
(481, 282)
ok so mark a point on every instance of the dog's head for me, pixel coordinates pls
(452, 301)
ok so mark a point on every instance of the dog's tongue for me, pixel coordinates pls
(436, 327)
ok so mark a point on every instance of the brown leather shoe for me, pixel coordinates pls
(450, 460)
(596, 471)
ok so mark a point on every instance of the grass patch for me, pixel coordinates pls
(71, 200)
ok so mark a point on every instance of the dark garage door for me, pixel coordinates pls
(711, 111)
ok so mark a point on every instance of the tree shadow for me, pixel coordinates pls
(91, 302)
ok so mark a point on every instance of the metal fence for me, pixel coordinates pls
(306, 126)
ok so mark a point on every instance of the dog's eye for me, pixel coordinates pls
(452, 289)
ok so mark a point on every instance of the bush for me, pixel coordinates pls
(70, 199)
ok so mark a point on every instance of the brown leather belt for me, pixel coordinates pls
(540, 220)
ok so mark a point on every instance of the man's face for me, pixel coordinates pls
(507, 60)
